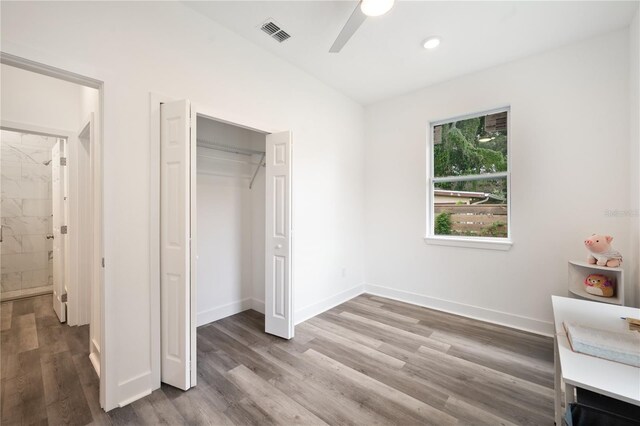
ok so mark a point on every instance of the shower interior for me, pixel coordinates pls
(26, 251)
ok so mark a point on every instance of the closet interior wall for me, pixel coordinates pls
(230, 220)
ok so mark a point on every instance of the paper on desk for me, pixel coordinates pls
(623, 347)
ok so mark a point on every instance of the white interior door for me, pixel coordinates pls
(278, 292)
(58, 217)
(175, 236)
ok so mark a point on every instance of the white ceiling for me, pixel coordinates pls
(385, 57)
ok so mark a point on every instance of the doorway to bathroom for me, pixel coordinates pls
(51, 206)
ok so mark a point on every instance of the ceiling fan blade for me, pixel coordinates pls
(355, 20)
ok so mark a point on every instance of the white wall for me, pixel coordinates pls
(224, 251)
(634, 157)
(38, 100)
(163, 47)
(569, 163)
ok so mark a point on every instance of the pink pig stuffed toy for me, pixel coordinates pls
(600, 251)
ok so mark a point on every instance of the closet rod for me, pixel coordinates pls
(261, 163)
(220, 147)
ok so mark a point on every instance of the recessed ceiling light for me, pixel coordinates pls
(376, 7)
(431, 42)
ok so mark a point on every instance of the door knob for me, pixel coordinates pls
(279, 246)
(49, 236)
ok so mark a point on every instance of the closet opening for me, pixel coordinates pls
(230, 209)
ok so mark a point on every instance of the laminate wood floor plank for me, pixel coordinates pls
(247, 412)
(498, 334)
(65, 397)
(369, 361)
(200, 406)
(90, 383)
(22, 307)
(157, 409)
(462, 385)
(356, 306)
(6, 310)
(418, 410)
(461, 378)
(370, 331)
(413, 332)
(332, 407)
(26, 335)
(468, 414)
(525, 368)
(243, 354)
(280, 407)
(124, 416)
(364, 352)
(399, 380)
(335, 383)
(339, 330)
(366, 300)
(23, 395)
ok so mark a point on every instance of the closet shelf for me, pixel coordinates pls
(227, 148)
(232, 160)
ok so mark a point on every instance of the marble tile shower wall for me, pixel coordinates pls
(25, 209)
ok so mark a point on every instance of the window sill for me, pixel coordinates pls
(479, 243)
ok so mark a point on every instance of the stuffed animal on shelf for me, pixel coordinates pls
(599, 285)
(600, 251)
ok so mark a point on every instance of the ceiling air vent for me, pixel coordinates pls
(275, 31)
(270, 28)
(281, 36)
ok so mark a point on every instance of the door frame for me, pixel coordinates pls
(197, 109)
(81, 217)
(108, 381)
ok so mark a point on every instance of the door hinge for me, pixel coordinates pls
(63, 161)
(63, 298)
(64, 229)
(103, 262)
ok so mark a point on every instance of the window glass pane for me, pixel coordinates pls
(471, 147)
(475, 208)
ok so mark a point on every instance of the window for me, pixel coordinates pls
(469, 179)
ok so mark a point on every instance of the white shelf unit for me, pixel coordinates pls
(578, 271)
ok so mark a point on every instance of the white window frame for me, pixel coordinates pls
(491, 243)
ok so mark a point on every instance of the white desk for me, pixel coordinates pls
(605, 377)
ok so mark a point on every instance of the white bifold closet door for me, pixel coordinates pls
(178, 248)
(175, 243)
(278, 309)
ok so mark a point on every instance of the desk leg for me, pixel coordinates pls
(569, 394)
(557, 385)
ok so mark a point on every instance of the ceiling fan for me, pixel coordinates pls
(364, 9)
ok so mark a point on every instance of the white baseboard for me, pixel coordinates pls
(223, 311)
(257, 305)
(317, 308)
(95, 361)
(475, 312)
